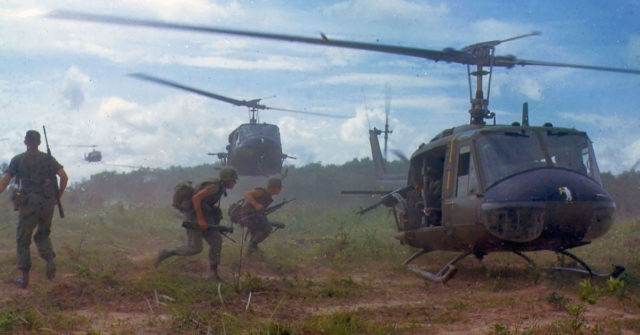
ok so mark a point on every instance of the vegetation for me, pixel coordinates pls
(328, 272)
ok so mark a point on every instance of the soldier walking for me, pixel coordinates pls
(203, 221)
(35, 173)
(254, 218)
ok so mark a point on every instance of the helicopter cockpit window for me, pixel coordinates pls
(503, 154)
(571, 151)
(466, 173)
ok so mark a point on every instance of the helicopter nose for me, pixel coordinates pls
(563, 207)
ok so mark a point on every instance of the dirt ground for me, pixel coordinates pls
(488, 298)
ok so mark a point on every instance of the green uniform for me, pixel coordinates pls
(256, 221)
(212, 215)
(35, 173)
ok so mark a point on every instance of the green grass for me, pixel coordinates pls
(323, 258)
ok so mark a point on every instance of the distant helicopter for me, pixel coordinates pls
(254, 148)
(92, 156)
(478, 188)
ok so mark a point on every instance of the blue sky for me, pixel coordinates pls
(71, 76)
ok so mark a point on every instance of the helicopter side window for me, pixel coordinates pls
(466, 183)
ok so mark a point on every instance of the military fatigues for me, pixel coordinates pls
(256, 221)
(212, 215)
(35, 173)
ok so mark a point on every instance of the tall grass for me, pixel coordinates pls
(322, 257)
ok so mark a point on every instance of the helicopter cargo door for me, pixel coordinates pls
(461, 210)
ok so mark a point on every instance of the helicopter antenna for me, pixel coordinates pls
(387, 109)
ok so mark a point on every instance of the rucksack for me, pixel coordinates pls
(235, 211)
(182, 193)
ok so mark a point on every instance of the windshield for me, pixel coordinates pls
(263, 130)
(571, 151)
(502, 154)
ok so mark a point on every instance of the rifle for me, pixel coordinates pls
(53, 175)
(277, 206)
(389, 199)
(223, 230)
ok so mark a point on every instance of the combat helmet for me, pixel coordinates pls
(228, 173)
(274, 182)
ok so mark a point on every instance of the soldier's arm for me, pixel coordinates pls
(63, 182)
(197, 206)
(250, 197)
(4, 182)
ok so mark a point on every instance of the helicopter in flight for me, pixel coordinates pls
(254, 148)
(477, 188)
(92, 156)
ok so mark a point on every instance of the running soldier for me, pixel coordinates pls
(203, 221)
(35, 173)
(254, 218)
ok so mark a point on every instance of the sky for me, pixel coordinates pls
(72, 76)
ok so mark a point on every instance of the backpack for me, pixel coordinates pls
(235, 211)
(182, 193)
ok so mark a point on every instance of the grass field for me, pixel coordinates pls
(328, 272)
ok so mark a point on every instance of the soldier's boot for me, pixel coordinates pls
(253, 248)
(23, 281)
(213, 275)
(51, 269)
(162, 255)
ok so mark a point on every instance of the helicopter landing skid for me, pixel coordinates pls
(442, 276)
(615, 273)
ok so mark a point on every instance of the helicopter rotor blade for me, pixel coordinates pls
(464, 56)
(401, 156)
(523, 62)
(81, 145)
(123, 165)
(448, 55)
(491, 44)
(251, 104)
(309, 113)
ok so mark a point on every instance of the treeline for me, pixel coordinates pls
(312, 185)
(625, 190)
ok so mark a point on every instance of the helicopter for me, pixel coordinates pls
(478, 188)
(92, 156)
(377, 156)
(254, 148)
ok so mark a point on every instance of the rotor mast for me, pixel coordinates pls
(479, 105)
(484, 54)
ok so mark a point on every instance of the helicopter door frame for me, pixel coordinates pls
(462, 204)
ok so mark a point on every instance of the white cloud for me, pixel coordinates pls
(633, 50)
(268, 62)
(73, 88)
(184, 9)
(531, 88)
(377, 79)
(384, 10)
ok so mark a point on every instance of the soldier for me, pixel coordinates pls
(35, 172)
(206, 212)
(256, 201)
